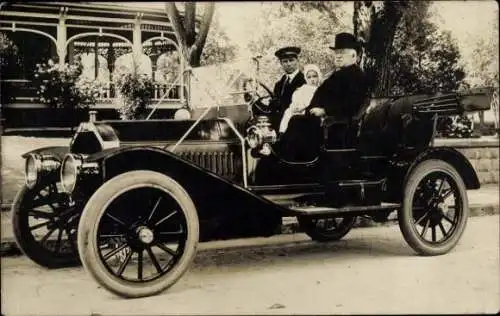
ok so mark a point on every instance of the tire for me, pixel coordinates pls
(101, 203)
(56, 212)
(420, 187)
(320, 234)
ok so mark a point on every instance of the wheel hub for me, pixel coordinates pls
(145, 235)
(436, 213)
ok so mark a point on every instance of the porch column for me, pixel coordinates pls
(96, 58)
(71, 52)
(62, 36)
(137, 36)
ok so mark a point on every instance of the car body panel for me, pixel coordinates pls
(220, 201)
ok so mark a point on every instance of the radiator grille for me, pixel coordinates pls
(222, 163)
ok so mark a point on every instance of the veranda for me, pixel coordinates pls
(98, 34)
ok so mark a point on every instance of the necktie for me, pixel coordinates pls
(285, 84)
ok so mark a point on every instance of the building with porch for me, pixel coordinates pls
(100, 35)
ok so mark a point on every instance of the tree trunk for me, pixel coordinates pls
(375, 25)
(191, 44)
(197, 48)
(190, 22)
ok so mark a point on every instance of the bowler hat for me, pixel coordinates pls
(289, 51)
(345, 40)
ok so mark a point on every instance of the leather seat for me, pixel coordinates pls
(392, 125)
(342, 133)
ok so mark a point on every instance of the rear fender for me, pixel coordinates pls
(216, 198)
(454, 158)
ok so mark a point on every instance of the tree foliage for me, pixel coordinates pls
(483, 65)
(405, 52)
(427, 67)
(423, 59)
(329, 8)
(218, 47)
(305, 25)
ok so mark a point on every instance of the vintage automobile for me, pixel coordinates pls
(131, 200)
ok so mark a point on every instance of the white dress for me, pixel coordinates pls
(301, 99)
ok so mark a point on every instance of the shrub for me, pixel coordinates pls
(136, 93)
(10, 60)
(60, 86)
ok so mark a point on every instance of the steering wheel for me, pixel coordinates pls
(260, 103)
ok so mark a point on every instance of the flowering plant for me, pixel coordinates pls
(136, 92)
(61, 86)
(9, 55)
(459, 126)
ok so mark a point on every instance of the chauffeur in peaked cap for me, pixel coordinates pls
(289, 51)
(288, 83)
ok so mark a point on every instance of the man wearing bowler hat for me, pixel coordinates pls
(289, 82)
(343, 94)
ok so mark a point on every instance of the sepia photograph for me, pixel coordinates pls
(249, 158)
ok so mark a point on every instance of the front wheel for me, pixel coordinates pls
(435, 208)
(44, 222)
(138, 234)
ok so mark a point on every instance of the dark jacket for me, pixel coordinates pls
(283, 94)
(342, 94)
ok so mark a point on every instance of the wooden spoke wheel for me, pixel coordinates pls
(435, 208)
(327, 228)
(44, 224)
(139, 233)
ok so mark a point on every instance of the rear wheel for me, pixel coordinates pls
(327, 228)
(435, 208)
(44, 224)
(139, 233)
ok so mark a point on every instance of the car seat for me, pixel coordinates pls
(392, 125)
(342, 133)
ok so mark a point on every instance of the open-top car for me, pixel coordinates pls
(131, 200)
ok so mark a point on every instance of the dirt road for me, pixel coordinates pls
(371, 271)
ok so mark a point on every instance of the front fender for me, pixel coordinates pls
(217, 199)
(57, 151)
(454, 158)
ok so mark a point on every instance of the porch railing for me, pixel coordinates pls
(23, 91)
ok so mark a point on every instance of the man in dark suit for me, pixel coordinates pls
(345, 92)
(289, 82)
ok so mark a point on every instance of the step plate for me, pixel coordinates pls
(321, 210)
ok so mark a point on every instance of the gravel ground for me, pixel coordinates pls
(370, 271)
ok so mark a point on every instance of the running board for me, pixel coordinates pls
(322, 210)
